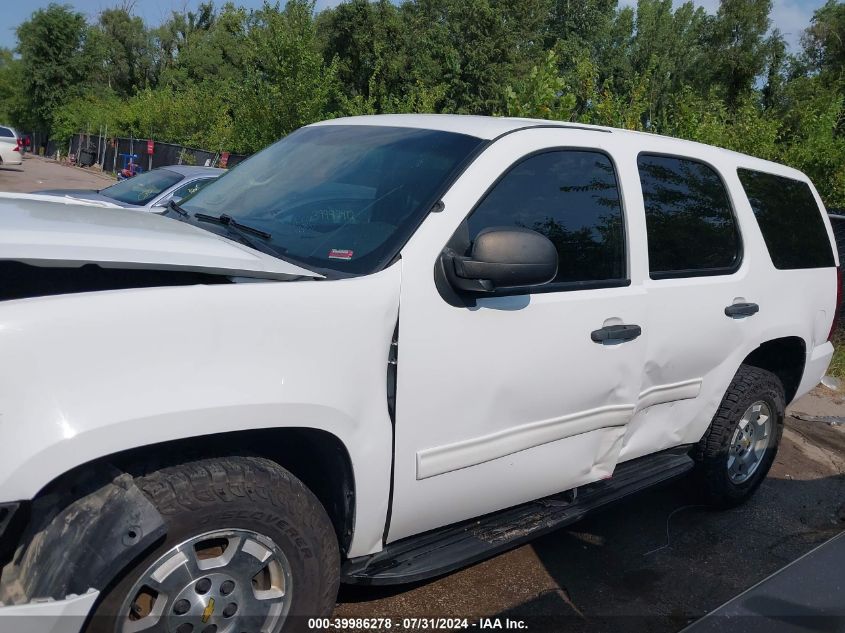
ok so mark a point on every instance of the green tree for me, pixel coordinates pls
(201, 46)
(824, 42)
(123, 48)
(286, 83)
(237, 79)
(667, 53)
(776, 65)
(473, 47)
(541, 94)
(53, 59)
(12, 99)
(175, 36)
(737, 46)
(366, 39)
(586, 21)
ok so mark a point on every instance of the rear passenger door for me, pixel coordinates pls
(696, 271)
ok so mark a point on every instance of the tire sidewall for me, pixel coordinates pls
(770, 393)
(276, 523)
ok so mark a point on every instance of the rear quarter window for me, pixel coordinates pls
(6, 132)
(790, 220)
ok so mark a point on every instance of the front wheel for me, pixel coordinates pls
(739, 447)
(248, 548)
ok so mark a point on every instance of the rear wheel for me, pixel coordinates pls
(248, 548)
(740, 445)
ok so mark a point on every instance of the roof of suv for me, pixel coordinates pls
(485, 127)
(490, 128)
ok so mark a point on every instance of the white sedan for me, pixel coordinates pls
(10, 147)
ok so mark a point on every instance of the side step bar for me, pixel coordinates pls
(451, 547)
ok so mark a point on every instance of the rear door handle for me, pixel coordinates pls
(613, 334)
(740, 310)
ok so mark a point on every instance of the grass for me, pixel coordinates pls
(837, 363)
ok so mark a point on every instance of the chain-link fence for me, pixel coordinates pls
(114, 154)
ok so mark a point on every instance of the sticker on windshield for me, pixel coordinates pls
(340, 253)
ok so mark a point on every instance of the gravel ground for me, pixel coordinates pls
(653, 563)
(41, 173)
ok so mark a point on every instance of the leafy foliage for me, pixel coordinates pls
(54, 60)
(229, 78)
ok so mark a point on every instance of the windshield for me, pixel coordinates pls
(143, 187)
(339, 197)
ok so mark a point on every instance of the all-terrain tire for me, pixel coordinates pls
(711, 476)
(246, 493)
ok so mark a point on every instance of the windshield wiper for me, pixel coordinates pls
(236, 228)
(242, 231)
(229, 221)
(175, 206)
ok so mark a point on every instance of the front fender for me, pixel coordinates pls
(88, 375)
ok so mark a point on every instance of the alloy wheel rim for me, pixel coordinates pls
(225, 581)
(750, 440)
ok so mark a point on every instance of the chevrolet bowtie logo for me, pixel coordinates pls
(209, 609)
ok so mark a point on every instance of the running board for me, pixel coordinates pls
(451, 547)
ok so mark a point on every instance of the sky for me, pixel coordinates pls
(790, 16)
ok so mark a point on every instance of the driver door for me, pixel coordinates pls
(506, 398)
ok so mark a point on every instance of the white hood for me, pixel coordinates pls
(65, 199)
(43, 232)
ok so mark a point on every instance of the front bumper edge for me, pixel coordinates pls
(51, 616)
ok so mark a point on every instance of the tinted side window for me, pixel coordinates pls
(789, 219)
(689, 219)
(6, 132)
(572, 198)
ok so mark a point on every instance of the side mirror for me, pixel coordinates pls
(502, 258)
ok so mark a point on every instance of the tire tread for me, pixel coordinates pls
(710, 450)
(214, 482)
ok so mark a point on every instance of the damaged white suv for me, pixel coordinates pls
(381, 349)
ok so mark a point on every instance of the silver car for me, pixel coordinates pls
(151, 190)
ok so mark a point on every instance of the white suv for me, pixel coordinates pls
(381, 349)
(10, 146)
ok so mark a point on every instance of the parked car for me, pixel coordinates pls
(11, 149)
(384, 348)
(151, 190)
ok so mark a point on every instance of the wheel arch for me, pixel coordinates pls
(785, 357)
(316, 457)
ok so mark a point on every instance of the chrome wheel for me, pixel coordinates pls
(226, 581)
(750, 441)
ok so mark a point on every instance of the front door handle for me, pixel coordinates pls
(613, 334)
(740, 310)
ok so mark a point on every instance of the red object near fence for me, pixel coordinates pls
(224, 159)
(150, 145)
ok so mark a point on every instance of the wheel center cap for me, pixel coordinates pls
(209, 611)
